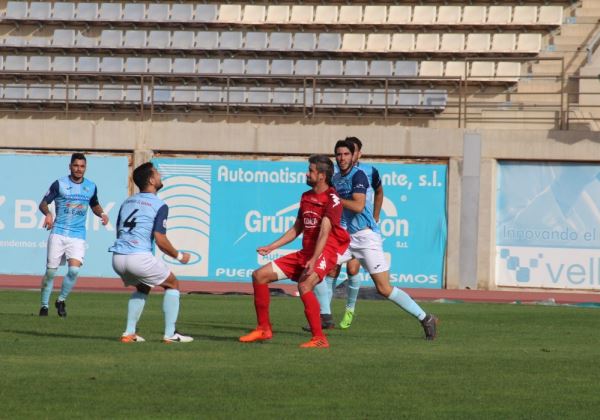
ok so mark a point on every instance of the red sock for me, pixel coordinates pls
(312, 311)
(261, 304)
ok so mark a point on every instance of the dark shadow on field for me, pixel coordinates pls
(61, 335)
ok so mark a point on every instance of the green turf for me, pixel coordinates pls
(491, 361)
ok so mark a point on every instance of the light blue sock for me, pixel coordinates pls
(331, 282)
(68, 282)
(353, 288)
(137, 300)
(407, 303)
(322, 292)
(47, 285)
(171, 310)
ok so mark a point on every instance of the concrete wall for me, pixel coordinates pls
(280, 137)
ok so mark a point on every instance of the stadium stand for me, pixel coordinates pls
(426, 53)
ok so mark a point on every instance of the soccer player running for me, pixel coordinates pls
(72, 195)
(365, 239)
(142, 222)
(323, 241)
(325, 290)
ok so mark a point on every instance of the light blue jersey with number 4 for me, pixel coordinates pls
(140, 216)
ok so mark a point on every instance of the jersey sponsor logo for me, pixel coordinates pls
(336, 199)
(164, 223)
(311, 219)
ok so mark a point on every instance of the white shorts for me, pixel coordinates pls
(62, 248)
(140, 268)
(367, 247)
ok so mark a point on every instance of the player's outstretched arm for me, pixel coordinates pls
(48, 220)
(320, 245)
(165, 246)
(98, 211)
(291, 234)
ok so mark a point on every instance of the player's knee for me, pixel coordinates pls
(73, 270)
(384, 289)
(304, 288)
(143, 288)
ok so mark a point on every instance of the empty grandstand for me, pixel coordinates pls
(448, 63)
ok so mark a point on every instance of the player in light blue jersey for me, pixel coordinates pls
(72, 195)
(142, 222)
(366, 244)
(326, 288)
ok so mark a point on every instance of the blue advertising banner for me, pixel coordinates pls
(548, 225)
(25, 178)
(222, 210)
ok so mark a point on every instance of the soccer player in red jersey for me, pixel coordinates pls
(323, 241)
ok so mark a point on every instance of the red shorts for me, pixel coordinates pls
(293, 265)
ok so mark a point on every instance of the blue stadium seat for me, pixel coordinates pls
(329, 42)
(232, 66)
(63, 38)
(181, 12)
(87, 11)
(356, 68)
(281, 41)
(159, 65)
(210, 95)
(158, 12)
(63, 11)
(111, 64)
(332, 96)
(15, 63)
(206, 13)
(209, 66)
(257, 67)
(184, 65)
(435, 98)
(40, 92)
(231, 40)
(305, 41)
(87, 93)
(256, 41)
(381, 97)
(136, 65)
(82, 40)
(406, 69)
(14, 91)
(184, 94)
(284, 95)
(184, 40)
(134, 11)
(409, 98)
(110, 12)
(358, 97)
(159, 39)
(161, 94)
(16, 10)
(111, 92)
(39, 63)
(135, 39)
(207, 40)
(88, 64)
(306, 67)
(63, 64)
(39, 10)
(111, 38)
(258, 95)
(381, 68)
(331, 68)
(282, 67)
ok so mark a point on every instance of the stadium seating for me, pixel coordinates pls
(414, 48)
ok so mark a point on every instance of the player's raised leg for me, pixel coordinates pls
(260, 282)
(403, 300)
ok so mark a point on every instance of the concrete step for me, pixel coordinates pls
(588, 11)
(578, 29)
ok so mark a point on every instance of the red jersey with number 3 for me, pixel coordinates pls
(313, 207)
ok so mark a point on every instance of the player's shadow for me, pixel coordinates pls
(60, 335)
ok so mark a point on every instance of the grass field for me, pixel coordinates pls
(491, 361)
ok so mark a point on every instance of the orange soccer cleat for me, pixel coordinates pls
(131, 338)
(316, 342)
(258, 334)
